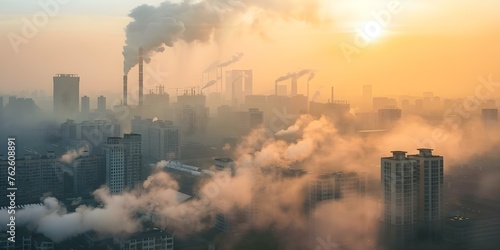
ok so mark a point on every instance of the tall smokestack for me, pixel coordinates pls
(125, 80)
(276, 88)
(332, 94)
(294, 86)
(141, 62)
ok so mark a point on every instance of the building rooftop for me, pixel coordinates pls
(31, 205)
(224, 159)
(66, 75)
(148, 233)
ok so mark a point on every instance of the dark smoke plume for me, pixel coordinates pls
(233, 59)
(209, 84)
(154, 27)
(311, 76)
(295, 75)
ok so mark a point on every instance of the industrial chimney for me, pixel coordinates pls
(331, 93)
(125, 90)
(293, 91)
(141, 62)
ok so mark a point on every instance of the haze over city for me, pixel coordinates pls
(249, 124)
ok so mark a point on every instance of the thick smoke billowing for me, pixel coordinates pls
(209, 84)
(234, 59)
(311, 76)
(280, 201)
(293, 75)
(72, 154)
(153, 27)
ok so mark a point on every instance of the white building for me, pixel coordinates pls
(114, 151)
(400, 184)
(412, 196)
(430, 198)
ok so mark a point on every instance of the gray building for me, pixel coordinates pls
(147, 239)
(133, 159)
(36, 176)
(85, 107)
(101, 104)
(160, 140)
(89, 173)
(66, 96)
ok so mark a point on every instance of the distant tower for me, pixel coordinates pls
(1, 110)
(85, 104)
(101, 104)
(141, 75)
(387, 118)
(293, 91)
(125, 91)
(239, 83)
(66, 96)
(367, 96)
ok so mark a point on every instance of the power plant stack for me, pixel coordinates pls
(125, 80)
(141, 62)
(293, 91)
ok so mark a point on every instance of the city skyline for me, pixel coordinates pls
(249, 124)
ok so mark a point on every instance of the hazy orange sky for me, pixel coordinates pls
(440, 46)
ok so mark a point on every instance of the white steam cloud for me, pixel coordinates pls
(279, 201)
(72, 154)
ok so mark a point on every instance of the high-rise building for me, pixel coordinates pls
(133, 159)
(36, 176)
(164, 140)
(400, 189)
(383, 103)
(412, 196)
(91, 133)
(191, 114)
(114, 152)
(328, 187)
(387, 118)
(101, 104)
(239, 83)
(147, 239)
(160, 140)
(66, 96)
(251, 119)
(335, 186)
(85, 104)
(430, 198)
(1, 110)
(89, 172)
